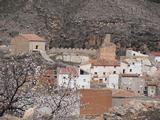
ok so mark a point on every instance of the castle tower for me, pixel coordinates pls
(107, 51)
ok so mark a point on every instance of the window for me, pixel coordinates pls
(128, 65)
(64, 77)
(36, 46)
(114, 72)
(100, 80)
(134, 54)
(105, 79)
(95, 73)
(133, 63)
(130, 70)
(104, 73)
(124, 70)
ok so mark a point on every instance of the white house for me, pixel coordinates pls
(135, 63)
(72, 77)
(101, 69)
(131, 53)
(156, 56)
(131, 66)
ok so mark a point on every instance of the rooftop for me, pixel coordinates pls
(103, 62)
(32, 37)
(130, 75)
(156, 53)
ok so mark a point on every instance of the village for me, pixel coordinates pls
(103, 79)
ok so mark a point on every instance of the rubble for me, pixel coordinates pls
(135, 109)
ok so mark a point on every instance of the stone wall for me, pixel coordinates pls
(73, 51)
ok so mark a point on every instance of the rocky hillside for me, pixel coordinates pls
(83, 23)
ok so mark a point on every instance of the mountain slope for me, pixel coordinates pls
(75, 23)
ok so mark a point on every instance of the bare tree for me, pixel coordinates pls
(16, 76)
(61, 102)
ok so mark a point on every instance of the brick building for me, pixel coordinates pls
(95, 101)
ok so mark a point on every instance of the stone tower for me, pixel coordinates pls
(107, 50)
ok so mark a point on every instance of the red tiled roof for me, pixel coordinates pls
(102, 62)
(156, 53)
(32, 37)
(69, 70)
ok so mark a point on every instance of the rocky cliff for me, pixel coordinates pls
(83, 23)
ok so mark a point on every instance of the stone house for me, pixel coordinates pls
(132, 82)
(24, 43)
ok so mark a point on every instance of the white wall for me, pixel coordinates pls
(131, 53)
(131, 68)
(86, 67)
(32, 46)
(113, 81)
(157, 59)
(151, 90)
(108, 70)
(73, 58)
(83, 81)
(80, 82)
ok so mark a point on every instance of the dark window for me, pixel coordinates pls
(101, 80)
(124, 70)
(36, 46)
(133, 63)
(134, 54)
(128, 65)
(104, 73)
(95, 73)
(81, 72)
(130, 70)
(114, 72)
(64, 77)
